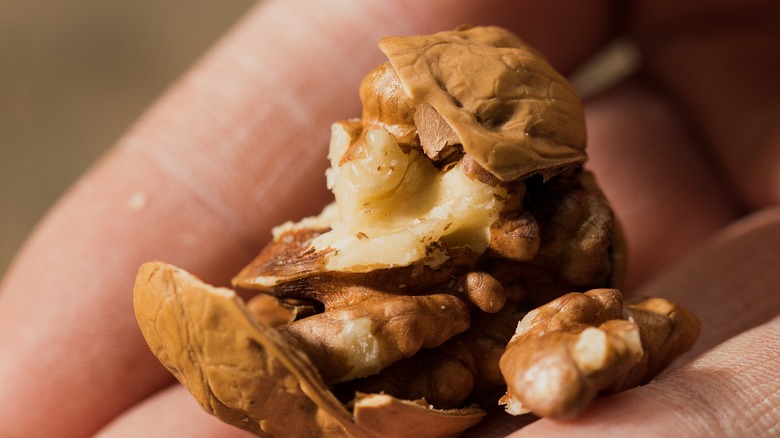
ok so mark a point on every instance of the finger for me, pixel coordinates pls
(731, 282)
(732, 390)
(720, 62)
(666, 197)
(171, 412)
(236, 147)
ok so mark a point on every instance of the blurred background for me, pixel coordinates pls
(73, 76)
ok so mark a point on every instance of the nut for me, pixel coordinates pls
(386, 105)
(248, 374)
(484, 291)
(567, 351)
(362, 339)
(460, 204)
(514, 114)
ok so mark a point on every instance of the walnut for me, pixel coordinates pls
(565, 352)
(249, 375)
(460, 206)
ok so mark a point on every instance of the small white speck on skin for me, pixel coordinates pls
(188, 240)
(137, 201)
(443, 307)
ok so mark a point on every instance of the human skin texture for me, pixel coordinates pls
(688, 152)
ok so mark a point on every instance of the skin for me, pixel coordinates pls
(688, 151)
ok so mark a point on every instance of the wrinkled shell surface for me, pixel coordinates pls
(512, 112)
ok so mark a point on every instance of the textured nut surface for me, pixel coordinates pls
(249, 375)
(359, 340)
(386, 105)
(238, 369)
(567, 351)
(512, 112)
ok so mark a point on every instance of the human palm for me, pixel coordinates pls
(687, 150)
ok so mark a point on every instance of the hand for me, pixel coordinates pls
(688, 153)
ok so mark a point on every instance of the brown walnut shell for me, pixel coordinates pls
(247, 374)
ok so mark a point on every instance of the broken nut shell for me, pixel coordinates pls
(248, 375)
(511, 110)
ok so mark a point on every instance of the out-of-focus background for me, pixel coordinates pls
(73, 76)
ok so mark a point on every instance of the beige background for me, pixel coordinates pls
(74, 74)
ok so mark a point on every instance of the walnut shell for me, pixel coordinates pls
(514, 114)
(248, 375)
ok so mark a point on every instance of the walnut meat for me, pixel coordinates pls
(566, 352)
(452, 265)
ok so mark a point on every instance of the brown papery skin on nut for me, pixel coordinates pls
(483, 291)
(667, 331)
(402, 325)
(571, 237)
(428, 375)
(470, 359)
(552, 373)
(436, 137)
(511, 110)
(577, 228)
(386, 105)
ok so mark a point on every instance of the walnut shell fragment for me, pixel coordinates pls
(248, 375)
(514, 114)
